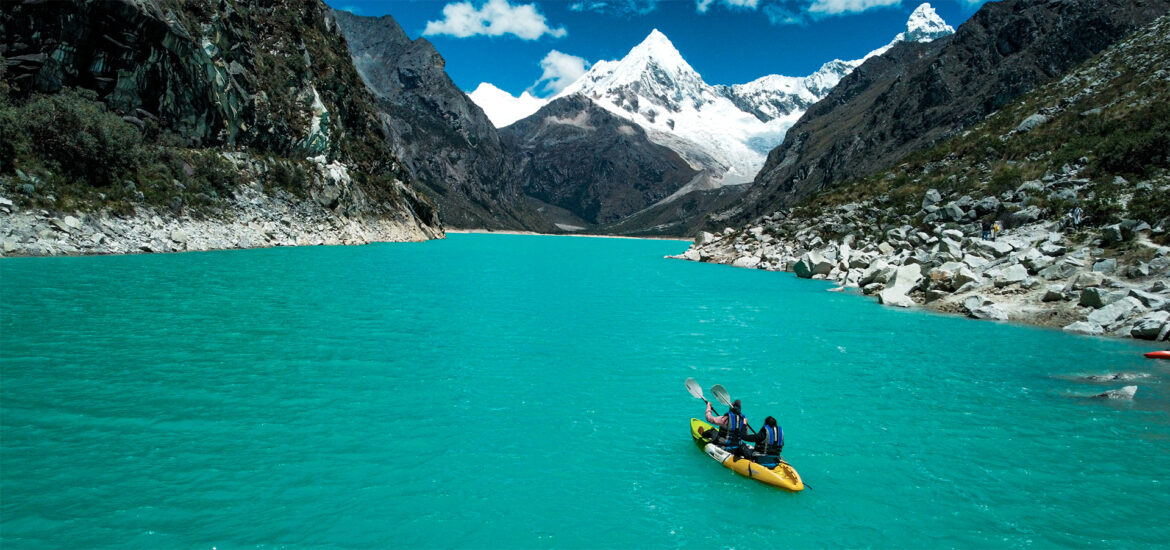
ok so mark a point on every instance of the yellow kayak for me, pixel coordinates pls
(783, 475)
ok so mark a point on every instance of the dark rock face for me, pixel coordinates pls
(575, 155)
(446, 141)
(918, 94)
(271, 77)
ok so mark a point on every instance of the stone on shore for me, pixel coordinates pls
(746, 261)
(1112, 313)
(1085, 327)
(991, 312)
(812, 263)
(905, 279)
(1093, 297)
(1151, 326)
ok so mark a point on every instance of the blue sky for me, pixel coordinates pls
(727, 41)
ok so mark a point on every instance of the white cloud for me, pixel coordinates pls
(560, 70)
(702, 6)
(351, 9)
(838, 7)
(493, 18)
(619, 8)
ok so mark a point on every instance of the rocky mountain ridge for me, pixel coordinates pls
(1077, 173)
(726, 131)
(579, 157)
(444, 139)
(915, 95)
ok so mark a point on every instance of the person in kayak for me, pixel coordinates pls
(769, 443)
(732, 428)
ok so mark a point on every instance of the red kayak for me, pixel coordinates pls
(1159, 354)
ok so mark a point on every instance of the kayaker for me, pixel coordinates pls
(732, 427)
(769, 443)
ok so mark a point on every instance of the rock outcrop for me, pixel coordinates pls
(444, 139)
(225, 95)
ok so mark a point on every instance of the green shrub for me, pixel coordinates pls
(1150, 206)
(1007, 178)
(73, 135)
(1103, 208)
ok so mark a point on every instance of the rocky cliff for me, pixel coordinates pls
(140, 101)
(915, 94)
(445, 140)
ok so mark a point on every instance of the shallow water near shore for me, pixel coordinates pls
(514, 391)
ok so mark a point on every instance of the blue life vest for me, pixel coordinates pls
(775, 438)
(735, 427)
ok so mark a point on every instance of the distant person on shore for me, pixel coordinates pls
(732, 428)
(769, 443)
(986, 230)
(1077, 215)
(995, 229)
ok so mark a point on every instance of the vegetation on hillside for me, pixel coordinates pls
(1106, 125)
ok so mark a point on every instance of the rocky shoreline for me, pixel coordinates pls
(251, 219)
(1039, 272)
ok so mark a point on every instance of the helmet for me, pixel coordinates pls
(735, 405)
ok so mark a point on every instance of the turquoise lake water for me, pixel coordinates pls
(498, 391)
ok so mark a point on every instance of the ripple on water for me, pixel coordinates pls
(514, 391)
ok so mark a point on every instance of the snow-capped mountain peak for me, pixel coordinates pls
(925, 25)
(654, 68)
(657, 48)
(724, 131)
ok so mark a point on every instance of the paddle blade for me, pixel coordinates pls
(694, 388)
(721, 394)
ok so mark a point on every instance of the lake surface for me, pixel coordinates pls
(501, 391)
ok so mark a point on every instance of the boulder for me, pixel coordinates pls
(1112, 234)
(872, 272)
(1054, 293)
(810, 264)
(1150, 300)
(905, 279)
(995, 249)
(1150, 326)
(1112, 313)
(1087, 279)
(749, 262)
(1107, 265)
(1085, 327)
(1093, 297)
(989, 312)
(953, 212)
(971, 303)
(886, 248)
(1028, 214)
(1035, 261)
(1062, 269)
(987, 205)
(932, 198)
(704, 238)
(953, 234)
(1010, 275)
(950, 246)
(179, 236)
(1030, 123)
(1052, 249)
